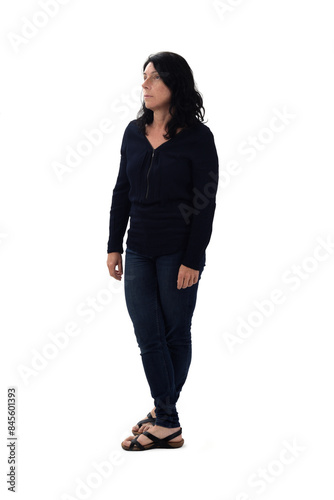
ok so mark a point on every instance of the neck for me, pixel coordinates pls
(160, 119)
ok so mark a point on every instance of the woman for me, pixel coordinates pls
(166, 184)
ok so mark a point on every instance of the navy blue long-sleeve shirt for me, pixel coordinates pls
(168, 192)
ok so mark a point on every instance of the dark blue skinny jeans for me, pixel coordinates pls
(161, 315)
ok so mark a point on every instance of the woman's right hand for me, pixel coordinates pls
(115, 260)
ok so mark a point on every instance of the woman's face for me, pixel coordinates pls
(157, 95)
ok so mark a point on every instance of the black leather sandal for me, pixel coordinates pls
(149, 420)
(157, 442)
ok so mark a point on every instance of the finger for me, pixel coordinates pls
(185, 283)
(114, 273)
(192, 281)
(179, 282)
(120, 266)
(117, 276)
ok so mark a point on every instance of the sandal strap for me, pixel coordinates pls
(155, 439)
(134, 443)
(145, 421)
(150, 419)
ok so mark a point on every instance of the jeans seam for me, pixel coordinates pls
(160, 336)
(164, 347)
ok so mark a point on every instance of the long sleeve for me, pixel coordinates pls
(200, 214)
(120, 205)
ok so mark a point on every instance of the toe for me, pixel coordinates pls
(127, 441)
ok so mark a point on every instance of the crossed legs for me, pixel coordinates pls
(161, 315)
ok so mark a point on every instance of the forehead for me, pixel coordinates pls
(150, 69)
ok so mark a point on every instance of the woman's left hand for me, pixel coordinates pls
(186, 277)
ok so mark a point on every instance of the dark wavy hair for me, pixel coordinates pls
(186, 107)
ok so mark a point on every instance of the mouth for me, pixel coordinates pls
(146, 96)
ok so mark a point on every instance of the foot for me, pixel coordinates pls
(159, 432)
(144, 427)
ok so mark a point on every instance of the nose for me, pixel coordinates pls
(145, 84)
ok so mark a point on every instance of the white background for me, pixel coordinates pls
(240, 405)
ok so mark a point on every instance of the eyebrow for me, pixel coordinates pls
(151, 73)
